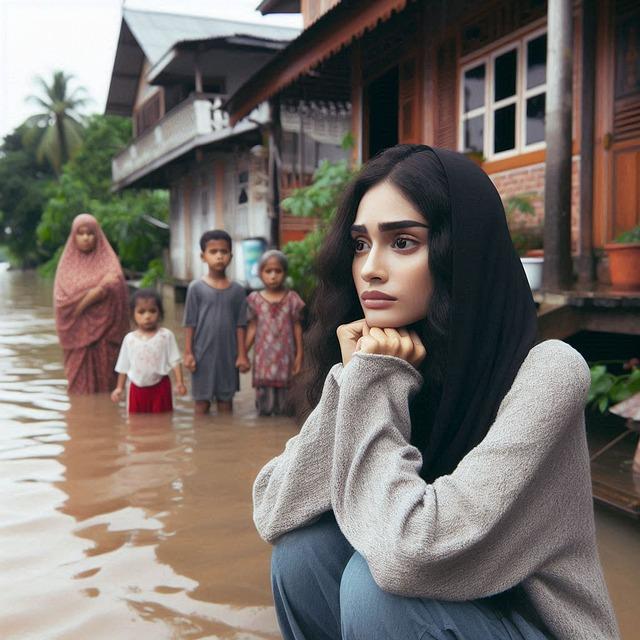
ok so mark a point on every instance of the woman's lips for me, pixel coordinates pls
(377, 300)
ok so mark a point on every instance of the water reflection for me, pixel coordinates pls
(116, 527)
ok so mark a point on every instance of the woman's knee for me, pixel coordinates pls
(319, 549)
(364, 607)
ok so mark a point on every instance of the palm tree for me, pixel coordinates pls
(57, 130)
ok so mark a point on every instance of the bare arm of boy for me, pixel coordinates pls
(251, 334)
(189, 360)
(116, 394)
(181, 389)
(297, 335)
(242, 362)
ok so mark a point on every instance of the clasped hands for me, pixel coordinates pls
(401, 343)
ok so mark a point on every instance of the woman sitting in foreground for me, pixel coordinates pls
(440, 487)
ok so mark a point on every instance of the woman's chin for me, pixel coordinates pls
(384, 319)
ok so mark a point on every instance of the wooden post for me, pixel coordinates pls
(557, 272)
(301, 161)
(586, 265)
(275, 148)
(198, 72)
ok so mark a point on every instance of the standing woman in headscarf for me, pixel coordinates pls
(440, 486)
(90, 298)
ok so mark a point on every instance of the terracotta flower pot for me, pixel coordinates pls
(624, 264)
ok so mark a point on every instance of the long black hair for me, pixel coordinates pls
(416, 172)
(481, 319)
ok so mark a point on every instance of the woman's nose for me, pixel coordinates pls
(373, 267)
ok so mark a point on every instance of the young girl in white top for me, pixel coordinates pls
(146, 357)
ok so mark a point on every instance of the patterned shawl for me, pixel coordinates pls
(79, 272)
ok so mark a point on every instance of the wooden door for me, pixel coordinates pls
(409, 107)
(624, 138)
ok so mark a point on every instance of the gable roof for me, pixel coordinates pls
(158, 32)
(150, 35)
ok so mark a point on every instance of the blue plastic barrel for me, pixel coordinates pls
(252, 250)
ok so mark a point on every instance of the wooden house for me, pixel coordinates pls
(474, 76)
(171, 75)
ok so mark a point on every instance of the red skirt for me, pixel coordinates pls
(153, 399)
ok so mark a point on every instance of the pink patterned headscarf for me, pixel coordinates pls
(77, 273)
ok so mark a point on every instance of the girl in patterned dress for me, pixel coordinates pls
(275, 326)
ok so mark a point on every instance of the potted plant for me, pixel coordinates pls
(526, 238)
(624, 259)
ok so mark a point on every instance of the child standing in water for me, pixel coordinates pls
(147, 356)
(275, 325)
(215, 317)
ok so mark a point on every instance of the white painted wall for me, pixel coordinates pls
(241, 220)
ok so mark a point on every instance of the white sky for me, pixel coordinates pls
(79, 37)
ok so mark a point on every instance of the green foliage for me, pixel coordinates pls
(85, 186)
(153, 274)
(527, 238)
(609, 389)
(23, 193)
(520, 203)
(630, 236)
(318, 200)
(301, 255)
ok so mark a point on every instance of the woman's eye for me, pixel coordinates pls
(404, 243)
(360, 245)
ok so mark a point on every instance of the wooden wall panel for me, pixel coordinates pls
(446, 94)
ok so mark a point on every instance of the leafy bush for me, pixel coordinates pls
(318, 200)
(85, 186)
(153, 274)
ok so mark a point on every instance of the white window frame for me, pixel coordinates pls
(490, 107)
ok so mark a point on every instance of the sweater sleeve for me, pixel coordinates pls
(485, 527)
(292, 490)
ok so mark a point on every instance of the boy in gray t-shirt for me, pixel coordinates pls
(215, 318)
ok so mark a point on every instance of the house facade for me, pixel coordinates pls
(171, 75)
(472, 76)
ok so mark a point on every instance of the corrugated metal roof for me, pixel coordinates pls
(157, 32)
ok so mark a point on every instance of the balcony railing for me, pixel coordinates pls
(195, 121)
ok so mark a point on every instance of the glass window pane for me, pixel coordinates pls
(506, 67)
(504, 129)
(537, 61)
(474, 134)
(474, 88)
(535, 119)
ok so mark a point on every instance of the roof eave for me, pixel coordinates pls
(333, 31)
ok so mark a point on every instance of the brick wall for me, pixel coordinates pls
(531, 180)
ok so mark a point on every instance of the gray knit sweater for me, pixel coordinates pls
(516, 511)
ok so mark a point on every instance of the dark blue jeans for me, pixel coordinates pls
(323, 590)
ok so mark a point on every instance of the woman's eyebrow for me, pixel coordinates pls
(390, 226)
(401, 224)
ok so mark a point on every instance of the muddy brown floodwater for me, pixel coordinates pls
(121, 529)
